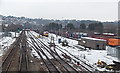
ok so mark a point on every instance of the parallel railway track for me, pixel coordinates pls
(89, 68)
(49, 64)
(68, 67)
(65, 65)
(85, 64)
(23, 59)
(57, 64)
(7, 60)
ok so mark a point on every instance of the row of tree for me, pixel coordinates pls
(98, 27)
(12, 28)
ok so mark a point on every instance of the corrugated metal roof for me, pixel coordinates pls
(92, 39)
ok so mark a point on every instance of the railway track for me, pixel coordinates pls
(86, 66)
(7, 61)
(49, 64)
(56, 64)
(23, 59)
(34, 47)
(67, 68)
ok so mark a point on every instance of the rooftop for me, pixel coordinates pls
(89, 38)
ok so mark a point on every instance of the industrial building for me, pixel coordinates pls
(113, 51)
(113, 48)
(92, 43)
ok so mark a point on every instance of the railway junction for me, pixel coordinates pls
(31, 54)
(21, 57)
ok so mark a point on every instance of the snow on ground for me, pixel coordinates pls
(71, 42)
(36, 34)
(13, 34)
(5, 42)
(89, 56)
(33, 52)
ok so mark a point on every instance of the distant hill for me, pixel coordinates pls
(42, 22)
(111, 23)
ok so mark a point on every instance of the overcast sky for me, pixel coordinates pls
(102, 10)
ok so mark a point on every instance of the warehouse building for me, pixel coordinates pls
(113, 51)
(113, 48)
(92, 43)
